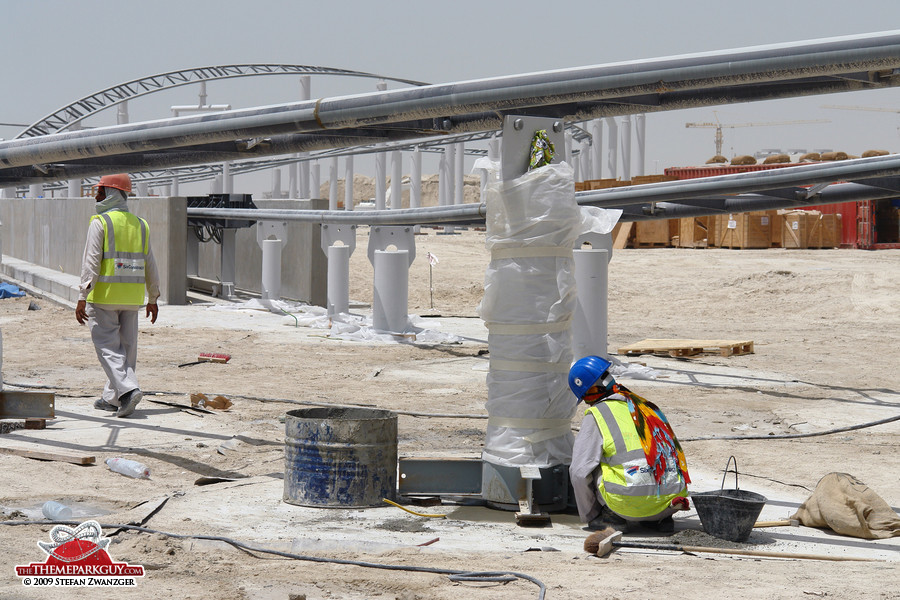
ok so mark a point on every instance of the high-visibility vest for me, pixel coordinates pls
(627, 484)
(126, 242)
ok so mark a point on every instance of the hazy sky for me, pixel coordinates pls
(56, 51)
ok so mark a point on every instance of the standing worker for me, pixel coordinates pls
(117, 266)
(627, 465)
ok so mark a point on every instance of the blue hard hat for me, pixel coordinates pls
(585, 373)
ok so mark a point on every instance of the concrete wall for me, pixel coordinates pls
(50, 233)
(304, 266)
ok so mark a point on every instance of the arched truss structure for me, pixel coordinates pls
(77, 111)
(421, 113)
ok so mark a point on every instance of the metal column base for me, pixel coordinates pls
(504, 487)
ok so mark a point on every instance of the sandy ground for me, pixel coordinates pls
(824, 324)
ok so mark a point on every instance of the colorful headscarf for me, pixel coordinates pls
(657, 438)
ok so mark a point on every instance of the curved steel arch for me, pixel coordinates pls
(82, 108)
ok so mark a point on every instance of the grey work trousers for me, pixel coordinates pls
(114, 333)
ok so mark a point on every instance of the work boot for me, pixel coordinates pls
(129, 402)
(608, 518)
(666, 525)
(101, 404)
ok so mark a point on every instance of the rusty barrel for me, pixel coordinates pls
(340, 457)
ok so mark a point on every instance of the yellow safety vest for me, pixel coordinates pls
(126, 243)
(627, 484)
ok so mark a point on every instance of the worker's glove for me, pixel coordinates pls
(681, 503)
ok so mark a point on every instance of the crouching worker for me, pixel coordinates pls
(627, 466)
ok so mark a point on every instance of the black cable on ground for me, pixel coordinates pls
(787, 436)
(471, 416)
(455, 575)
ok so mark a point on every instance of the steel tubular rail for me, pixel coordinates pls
(743, 183)
(739, 192)
(478, 104)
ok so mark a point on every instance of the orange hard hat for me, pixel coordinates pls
(120, 181)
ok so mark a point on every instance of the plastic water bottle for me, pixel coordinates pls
(55, 511)
(131, 468)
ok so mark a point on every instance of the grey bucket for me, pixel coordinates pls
(729, 514)
(340, 457)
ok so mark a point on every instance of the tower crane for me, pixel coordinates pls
(872, 108)
(719, 126)
(876, 108)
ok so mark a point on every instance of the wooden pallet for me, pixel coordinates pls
(688, 347)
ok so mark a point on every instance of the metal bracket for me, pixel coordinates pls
(402, 237)
(809, 193)
(331, 233)
(23, 405)
(529, 511)
(264, 229)
(598, 241)
(517, 135)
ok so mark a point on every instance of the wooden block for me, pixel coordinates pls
(70, 458)
(689, 347)
(35, 423)
(621, 235)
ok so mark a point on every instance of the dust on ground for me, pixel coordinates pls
(824, 326)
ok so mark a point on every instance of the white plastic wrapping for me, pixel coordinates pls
(529, 301)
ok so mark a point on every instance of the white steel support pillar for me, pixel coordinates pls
(442, 180)
(590, 324)
(333, 184)
(640, 131)
(392, 251)
(270, 236)
(293, 190)
(459, 189)
(303, 166)
(584, 159)
(597, 147)
(415, 179)
(142, 189)
(227, 263)
(227, 178)
(450, 187)
(612, 147)
(380, 173)
(74, 188)
(348, 183)
(175, 187)
(122, 113)
(315, 180)
(625, 139)
(396, 180)
(36, 190)
(276, 183)
(338, 243)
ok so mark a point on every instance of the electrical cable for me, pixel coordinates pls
(787, 436)
(492, 576)
(412, 512)
(410, 413)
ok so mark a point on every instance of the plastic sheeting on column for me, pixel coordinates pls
(529, 302)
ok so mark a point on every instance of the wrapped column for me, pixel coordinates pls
(529, 301)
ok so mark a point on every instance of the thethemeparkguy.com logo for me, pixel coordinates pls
(78, 558)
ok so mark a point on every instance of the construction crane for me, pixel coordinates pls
(875, 108)
(719, 126)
